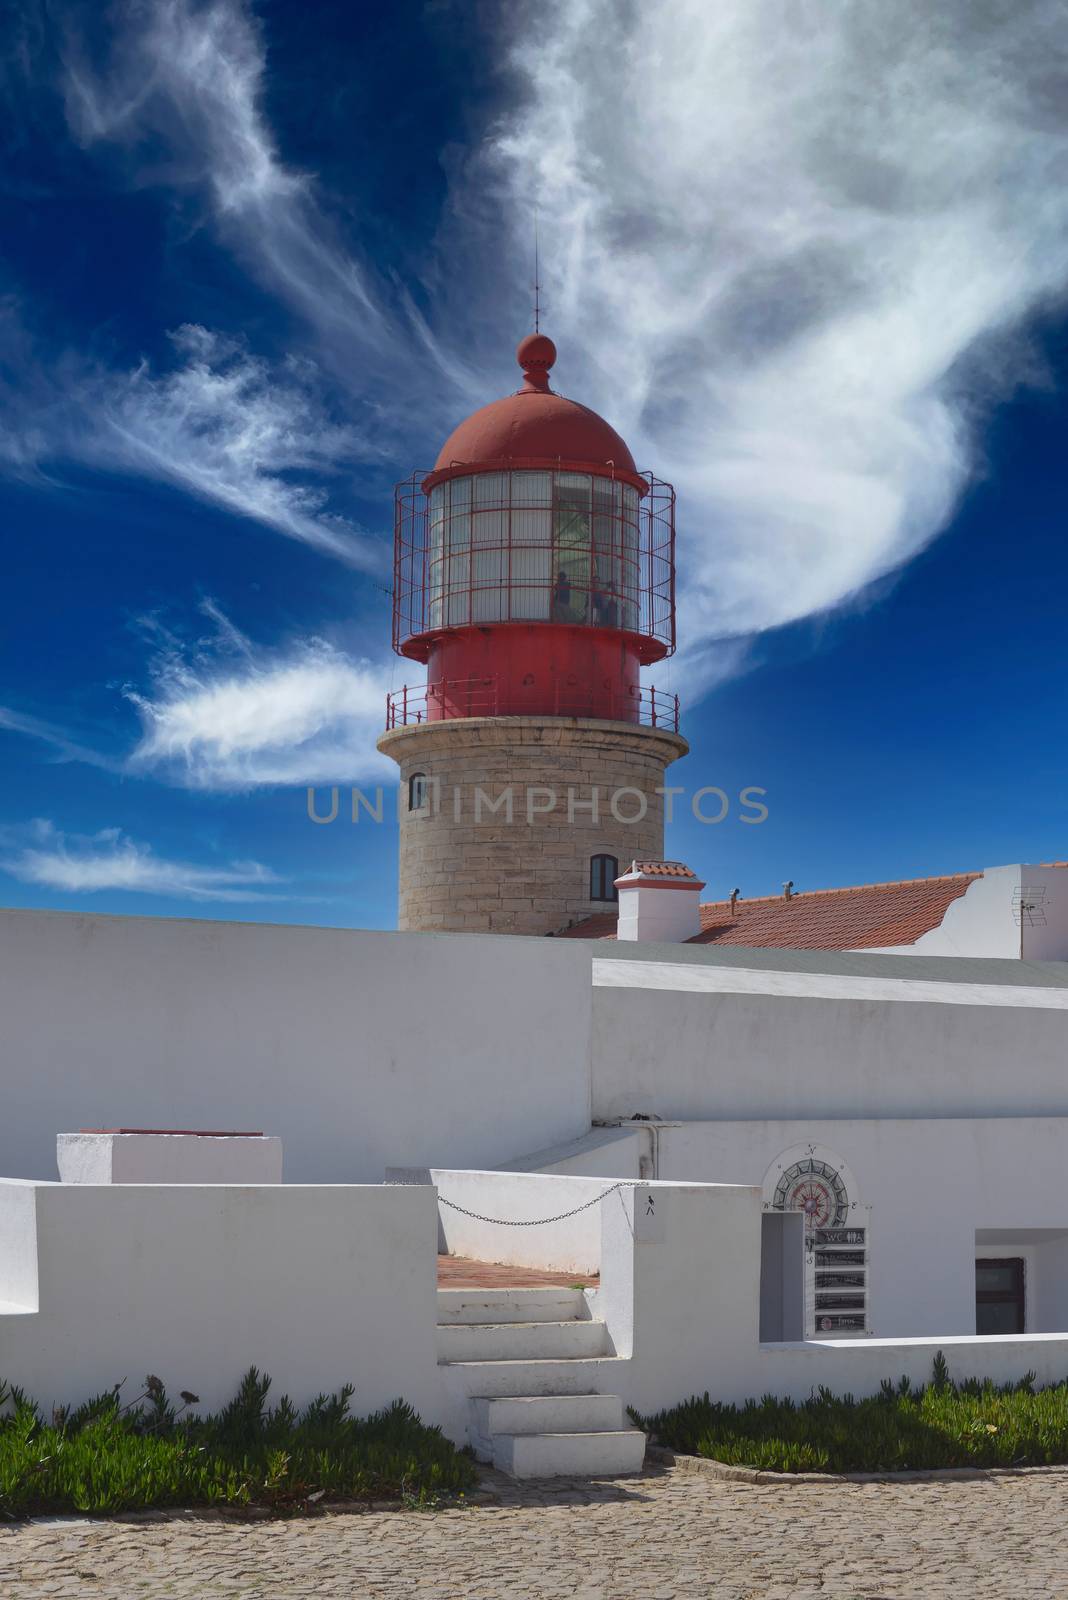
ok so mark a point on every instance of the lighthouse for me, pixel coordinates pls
(534, 576)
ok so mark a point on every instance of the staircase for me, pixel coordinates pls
(532, 1362)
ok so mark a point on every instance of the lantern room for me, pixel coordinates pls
(534, 566)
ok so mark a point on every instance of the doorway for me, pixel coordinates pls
(999, 1294)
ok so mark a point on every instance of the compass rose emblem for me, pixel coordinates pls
(816, 1189)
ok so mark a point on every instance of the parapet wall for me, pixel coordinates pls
(358, 1049)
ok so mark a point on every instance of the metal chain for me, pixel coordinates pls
(536, 1222)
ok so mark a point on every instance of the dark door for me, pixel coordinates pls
(999, 1295)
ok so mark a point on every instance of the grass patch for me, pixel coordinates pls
(105, 1456)
(942, 1424)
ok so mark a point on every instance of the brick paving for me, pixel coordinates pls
(459, 1272)
(667, 1535)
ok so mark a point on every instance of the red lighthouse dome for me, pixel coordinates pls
(535, 425)
(534, 565)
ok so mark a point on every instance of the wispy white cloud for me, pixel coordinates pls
(179, 91)
(230, 428)
(247, 717)
(226, 714)
(88, 863)
(776, 247)
(191, 76)
(65, 747)
(254, 437)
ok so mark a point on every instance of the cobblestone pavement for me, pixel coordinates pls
(666, 1534)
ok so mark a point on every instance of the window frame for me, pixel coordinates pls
(415, 778)
(599, 877)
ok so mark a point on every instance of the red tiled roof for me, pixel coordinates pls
(661, 869)
(864, 917)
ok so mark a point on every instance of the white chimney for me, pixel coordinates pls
(659, 900)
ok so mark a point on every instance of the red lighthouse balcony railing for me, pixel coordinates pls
(535, 545)
(482, 697)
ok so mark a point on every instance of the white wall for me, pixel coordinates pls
(601, 1153)
(680, 1292)
(930, 1185)
(167, 1158)
(323, 1285)
(690, 1041)
(357, 1048)
(317, 1286)
(666, 912)
(1051, 1270)
(1045, 930)
(572, 1244)
(525, 1189)
(680, 1289)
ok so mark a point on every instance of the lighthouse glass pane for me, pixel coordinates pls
(629, 566)
(491, 488)
(459, 491)
(531, 582)
(605, 577)
(487, 588)
(572, 548)
(489, 528)
(531, 545)
(458, 516)
(435, 555)
(532, 525)
(532, 489)
(456, 606)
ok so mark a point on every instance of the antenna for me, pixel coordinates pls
(537, 285)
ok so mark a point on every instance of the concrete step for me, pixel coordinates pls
(483, 1379)
(511, 1305)
(587, 1455)
(547, 1413)
(518, 1341)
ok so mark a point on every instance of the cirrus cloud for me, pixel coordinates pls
(230, 428)
(241, 717)
(783, 250)
(110, 860)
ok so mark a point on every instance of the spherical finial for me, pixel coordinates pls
(536, 354)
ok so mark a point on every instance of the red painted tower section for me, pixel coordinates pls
(534, 566)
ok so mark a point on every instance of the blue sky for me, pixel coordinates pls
(254, 267)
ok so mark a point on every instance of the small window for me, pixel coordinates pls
(418, 791)
(604, 870)
(999, 1295)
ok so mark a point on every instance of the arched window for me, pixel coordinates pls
(418, 791)
(604, 870)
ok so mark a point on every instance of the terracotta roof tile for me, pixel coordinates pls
(863, 917)
(662, 869)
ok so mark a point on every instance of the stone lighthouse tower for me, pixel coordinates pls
(534, 576)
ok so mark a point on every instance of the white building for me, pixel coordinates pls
(805, 1139)
(916, 1107)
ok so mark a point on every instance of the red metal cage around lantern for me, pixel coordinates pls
(534, 543)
